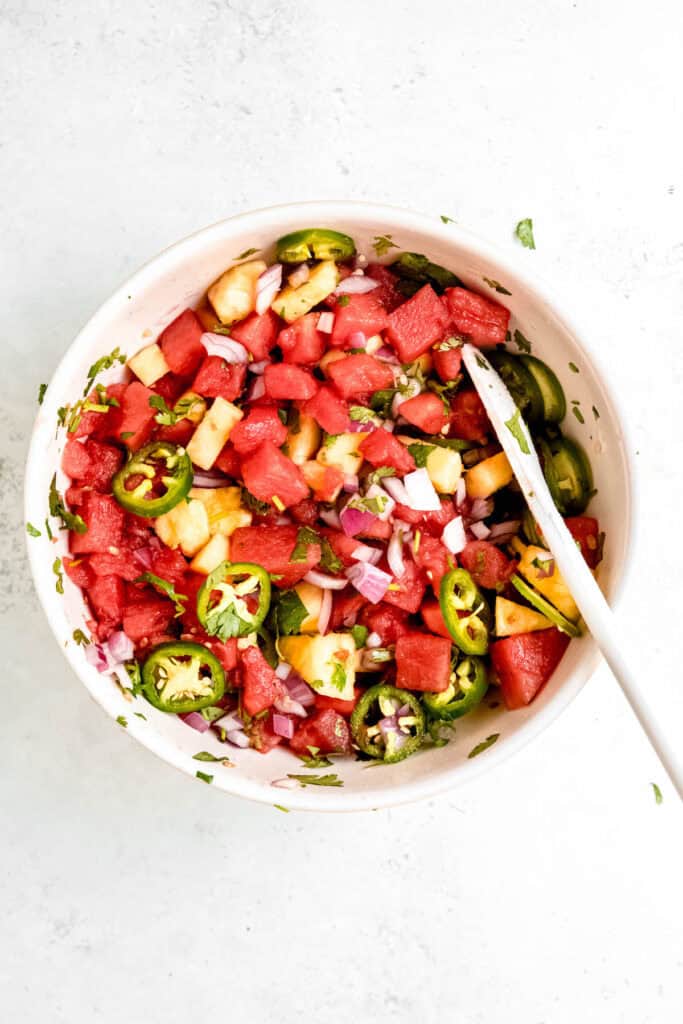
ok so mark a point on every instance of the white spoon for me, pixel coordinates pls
(514, 436)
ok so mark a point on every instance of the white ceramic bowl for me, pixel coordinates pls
(176, 278)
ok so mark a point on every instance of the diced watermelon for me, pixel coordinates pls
(181, 344)
(149, 615)
(425, 411)
(429, 522)
(79, 572)
(105, 595)
(524, 663)
(137, 416)
(433, 618)
(483, 321)
(75, 460)
(342, 546)
(225, 651)
(92, 463)
(468, 419)
(302, 342)
(388, 621)
(418, 324)
(262, 735)
(327, 730)
(486, 563)
(388, 292)
(169, 564)
(447, 362)
(120, 563)
(381, 448)
(364, 313)
(586, 531)
(328, 410)
(262, 423)
(104, 519)
(359, 376)
(288, 381)
(269, 474)
(272, 547)
(434, 558)
(345, 608)
(257, 333)
(170, 387)
(176, 433)
(342, 707)
(261, 686)
(228, 461)
(423, 662)
(218, 379)
(305, 512)
(411, 589)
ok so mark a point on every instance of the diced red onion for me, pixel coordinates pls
(373, 640)
(369, 581)
(351, 483)
(238, 738)
(283, 521)
(355, 427)
(95, 656)
(325, 612)
(365, 553)
(395, 553)
(299, 276)
(454, 536)
(326, 323)
(285, 783)
(357, 340)
(257, 389)
(480, 530)
(288, 706)
(481, 509)
(143, 557)
(355, 520)
(283, 670)
(387, 355)
(195, 721)
(299, 690)
(229, 350)
(229, 723)
(208, 478)
(385, 500)
(331, 518)
(259, 367)
(507, 529)
(460, 492)
(283, 726)
(325, 582)
(356, 284)
(267, 287)
(111, 654)
(120, 647)
(420, 490)
(395, 487)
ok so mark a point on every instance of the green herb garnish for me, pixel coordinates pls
(343, 300)
(447, 220)
(421, 453)
(204, 777)
(316, 780)
(596, 414)
(80, 638)
(484, 745)
(290, 613)
(32, 531)
(338, 676)
(382, 244)
(41, 393)
(657, 792)
(525, 233)
(60, 511)
(304, 538)
(122, 721)
(360, 635)
(515, 427)
(165, 587)
(57, 570)
(496, 285)
(205, 755)
(105, 363)
(247, 252)
(379, 474)
(521, 342)
(579, 415)
(573, 367)
(361, 414)
(316, 759)
(328, 559)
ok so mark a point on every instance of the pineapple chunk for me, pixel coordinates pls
(341, 450)
(331, 356)
(444, 466)
(312, 598)
(212, 433)
(552, 587)
(196, 406)
(327, 663)
(291, 303)
(314, 474)
(149, 365)
(304, 442)
(211, 555)
(513, 618)
(488, 476)
(186, 526)
(223, 508)
(233, 295)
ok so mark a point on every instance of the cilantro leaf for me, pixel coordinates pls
(382, 244)
(421, 453)
(379, 474)
(361, 414)
(304, 538)
(315, 760)
(60, 511)
(515, 428)
(134, 674)
(447, 220)
(204, 777)
(57, 570)
(657, 793)
(381, 401)
(290, 613)
(573, 367)
(360, 635)
(484, 745)
(279, 807)
(328, 559)
(260, 508)
(32, 531)
(105, 363)
(205, 755)
(521, 342)
(247, 252)
(525, 233)
(164, 587)
(122, 721)
(41, 393)
(338, 676)
(80, 638)
(496, 285)
(579, 415)
(316, 780)
(343, 300)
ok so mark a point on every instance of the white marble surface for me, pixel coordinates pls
(547, 893)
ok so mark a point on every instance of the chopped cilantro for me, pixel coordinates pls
(221, 329)
(579, 415)
(316, 780)
(41, 393)
(134, 674)
(525, 233)
(521, 342)
(382, 244)
(60, 511)
(360, 635)
(515, 427)
(329, 439)
(481, 362)
(316, 759)
(447, 390)
(379, 474)
(484, 745)
(304, 538)
(361, 414)
(657, 792)
(247, 252)
(105, 363)
(126, 434)
(204, 777)
(57, 570)
(420, 453)
(343, 300)
(204, 755)
(496, 285)
(260, 508)
(381, 401)
(447, 220)
(32, 531)
(279, 807)
(282, 413)
(80, 638)
(328, 559)
(596, 414)
(122, 721)
(164, 587)
(48, 531)
(573, 367)
(290, 612)
(212, 714)
(165, 417)
(338, 676)
(139, 714)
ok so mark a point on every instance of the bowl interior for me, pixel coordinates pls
(145, 305)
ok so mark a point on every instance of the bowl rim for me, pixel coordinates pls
(438, 782)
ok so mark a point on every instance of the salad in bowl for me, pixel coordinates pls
(290, 525)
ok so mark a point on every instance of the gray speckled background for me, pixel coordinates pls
(545, 893)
